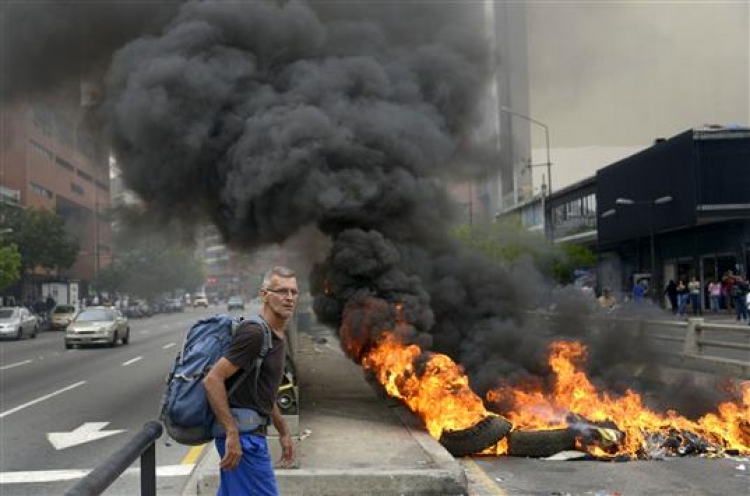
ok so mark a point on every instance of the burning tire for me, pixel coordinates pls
(482, 435)
(541, 443)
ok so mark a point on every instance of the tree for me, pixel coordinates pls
(40, 237)
(149, 264)
(507, 241)
(10, 265)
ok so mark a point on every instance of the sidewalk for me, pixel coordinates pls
(353, 441)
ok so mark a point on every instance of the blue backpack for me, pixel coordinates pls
(185, 411)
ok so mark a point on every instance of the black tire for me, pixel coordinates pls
(19, 333)
(36, 331)
(482, 435)
(541, 443)
(68, 346)
(126, 339)
(114, 341)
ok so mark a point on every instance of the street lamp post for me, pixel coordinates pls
(651, 204)
(546, 139)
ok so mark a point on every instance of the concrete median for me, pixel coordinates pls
(351, 439)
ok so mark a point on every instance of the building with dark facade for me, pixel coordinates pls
(680, 208)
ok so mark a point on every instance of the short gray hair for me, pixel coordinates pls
(278, 271)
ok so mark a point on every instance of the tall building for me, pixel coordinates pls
(54, 156)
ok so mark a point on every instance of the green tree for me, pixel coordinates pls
(40, 237)
(10, 265)
(507, 241)
(150, 264)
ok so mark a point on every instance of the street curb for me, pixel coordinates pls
(444, 476)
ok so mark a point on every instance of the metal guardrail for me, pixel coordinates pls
(142, 445)
(695, 340)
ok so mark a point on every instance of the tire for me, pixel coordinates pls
(68, 346)
(114, 341)
(36, 331)
(19, 333)
(126, 339)
(482, 435)
(541, 443)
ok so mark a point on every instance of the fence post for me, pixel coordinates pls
(148, 471)
(693, 334)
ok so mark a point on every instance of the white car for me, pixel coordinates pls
(17, 322)
(200, 300)
(98, 325)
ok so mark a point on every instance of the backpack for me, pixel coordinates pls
(185, 411)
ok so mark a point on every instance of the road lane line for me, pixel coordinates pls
(17, 364)
(167, 346)
(193, 455)
(131, 361)
(40, 399)
(39, 476)
(489, 486)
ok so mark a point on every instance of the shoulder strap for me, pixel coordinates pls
(258, 362)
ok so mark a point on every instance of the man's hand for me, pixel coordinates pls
(287, 451)
(232, 452)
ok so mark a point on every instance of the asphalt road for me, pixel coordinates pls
(64, 411)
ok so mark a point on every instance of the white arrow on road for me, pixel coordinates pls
(90, 431)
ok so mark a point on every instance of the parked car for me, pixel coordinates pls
(98, 325)
(17, 322)
(61, 316)
(235, 303)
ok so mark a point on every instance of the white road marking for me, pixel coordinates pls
(164, 326)
(168, 345)
(17, 364)
(41, 398)
(132, 360)
(87, 432)
(39, 476)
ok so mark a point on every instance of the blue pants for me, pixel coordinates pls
(254, 475)
(741, 309)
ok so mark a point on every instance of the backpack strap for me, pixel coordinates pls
(258, 362)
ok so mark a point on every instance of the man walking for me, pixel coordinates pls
(246, 466)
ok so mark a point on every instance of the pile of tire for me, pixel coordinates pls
(540, 444)
(484, 434)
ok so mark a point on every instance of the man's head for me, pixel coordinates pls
(279, 292)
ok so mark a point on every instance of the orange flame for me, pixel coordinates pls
(436, 389)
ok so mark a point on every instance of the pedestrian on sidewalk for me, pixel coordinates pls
(671, 292)
(682, 297)
(694, 287)
(740, 291)
(714, 294)
(246, 466)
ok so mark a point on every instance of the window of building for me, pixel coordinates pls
(77, 189)
(40, 191)
(64, 164)
(85, 175)
(41, 150)
(102, 185)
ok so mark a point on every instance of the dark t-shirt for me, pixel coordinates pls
(244, 349)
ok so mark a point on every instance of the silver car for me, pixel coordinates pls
(98, 325)
(17, 322)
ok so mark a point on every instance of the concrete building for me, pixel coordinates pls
(53, 156)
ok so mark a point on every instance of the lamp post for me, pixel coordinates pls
(546, 138)
(651, 204)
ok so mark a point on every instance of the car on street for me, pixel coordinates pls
(235, 303)
(98, 325)
(17, 322)
(200, 300)
(61, 316)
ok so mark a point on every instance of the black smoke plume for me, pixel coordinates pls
(267, 118)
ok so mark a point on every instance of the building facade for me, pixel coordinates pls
(54, 156)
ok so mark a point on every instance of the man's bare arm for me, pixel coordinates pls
(285, 439)
(216, 393)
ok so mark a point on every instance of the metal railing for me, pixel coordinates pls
(142, 445)
(695, 343)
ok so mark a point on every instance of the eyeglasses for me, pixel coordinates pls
(284, 292)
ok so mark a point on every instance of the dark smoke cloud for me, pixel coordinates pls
(267, 118)
(46, 43)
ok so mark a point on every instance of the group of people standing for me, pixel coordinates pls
(728, 293)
